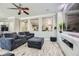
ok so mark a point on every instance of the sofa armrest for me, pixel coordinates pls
(7, 43)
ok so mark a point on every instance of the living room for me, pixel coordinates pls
(39, 29)
(40, 23)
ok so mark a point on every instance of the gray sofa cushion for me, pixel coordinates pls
(10, 35)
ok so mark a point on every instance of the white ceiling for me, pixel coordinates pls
(35, 9)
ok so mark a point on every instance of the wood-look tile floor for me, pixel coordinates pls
(48, 49)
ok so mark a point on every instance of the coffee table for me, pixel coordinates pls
(35, 42)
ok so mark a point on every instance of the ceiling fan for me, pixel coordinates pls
(20, 9)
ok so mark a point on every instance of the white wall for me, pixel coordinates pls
(17, 25)
(11, 24)
(59, 40)
(59, 18)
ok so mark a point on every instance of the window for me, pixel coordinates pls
(47, 24)
(23, 25)
(73, 22)
(72, 18)
(34, 24)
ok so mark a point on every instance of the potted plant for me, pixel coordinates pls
(62, 27)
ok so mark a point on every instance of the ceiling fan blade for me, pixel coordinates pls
(12, 8)
(25, 8)
(26, 12)
(15, 5)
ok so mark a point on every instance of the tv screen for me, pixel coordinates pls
(4, 28)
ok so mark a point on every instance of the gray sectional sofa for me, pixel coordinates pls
(11, 41)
